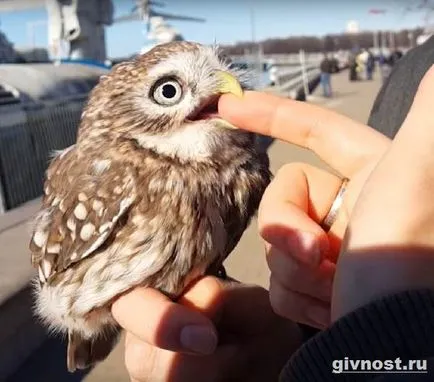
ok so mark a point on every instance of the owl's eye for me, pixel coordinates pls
(167, 92)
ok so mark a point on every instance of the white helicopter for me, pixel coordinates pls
(157, 29)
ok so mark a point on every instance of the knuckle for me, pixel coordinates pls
(284, 266)
(280, 299)
(298, 278)
(287, 303)
(280, 263)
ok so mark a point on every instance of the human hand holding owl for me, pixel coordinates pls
(253, 342)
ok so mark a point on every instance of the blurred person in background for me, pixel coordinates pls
(384, 66)
(361, 59)
(273, 75)
(335, 64)
(352, 64)
(326, 68)
(370, 65)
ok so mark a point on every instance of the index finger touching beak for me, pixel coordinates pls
(342, 143)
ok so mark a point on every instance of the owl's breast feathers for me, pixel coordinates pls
(119, 219)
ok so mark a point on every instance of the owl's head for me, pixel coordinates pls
(166, 101)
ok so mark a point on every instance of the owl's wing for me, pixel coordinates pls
(248, 191)
(84, 202)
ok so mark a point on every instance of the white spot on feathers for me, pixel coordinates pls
(70, 223)
(46, 268)
(41, 275)
(62, 206)
(87, 231)
(82, 197)
(100, 166)
(97, 205)
(40, 238)
(80, 211)
(54, 248)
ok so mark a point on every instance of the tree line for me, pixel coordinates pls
(330, 42)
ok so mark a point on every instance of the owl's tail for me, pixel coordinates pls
(83, 353)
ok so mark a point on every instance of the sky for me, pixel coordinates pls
(229, 21)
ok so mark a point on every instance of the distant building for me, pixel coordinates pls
(33, 54)
(7, 51)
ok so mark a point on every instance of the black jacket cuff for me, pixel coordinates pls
(401, 325)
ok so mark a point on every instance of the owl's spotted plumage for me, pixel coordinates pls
(156, 190)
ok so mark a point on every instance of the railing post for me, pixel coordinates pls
(2, 200)
(303, 73)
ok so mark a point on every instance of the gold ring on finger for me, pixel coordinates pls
(330, 219)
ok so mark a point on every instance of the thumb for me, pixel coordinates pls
(230, 304)
(205, 296)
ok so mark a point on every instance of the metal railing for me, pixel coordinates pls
(281, 59)
(26, 147)
(290, 81)
(288, 72)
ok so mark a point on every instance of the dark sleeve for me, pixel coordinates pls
(396, 95)
(401, 326)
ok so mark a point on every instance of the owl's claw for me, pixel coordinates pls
(221, 273)
(217, 270)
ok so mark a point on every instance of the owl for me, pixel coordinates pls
(156, 191)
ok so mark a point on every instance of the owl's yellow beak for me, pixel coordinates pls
(228, 84)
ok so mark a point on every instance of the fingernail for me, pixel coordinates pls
(198, 339)
(319, 315)
(307, 247)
